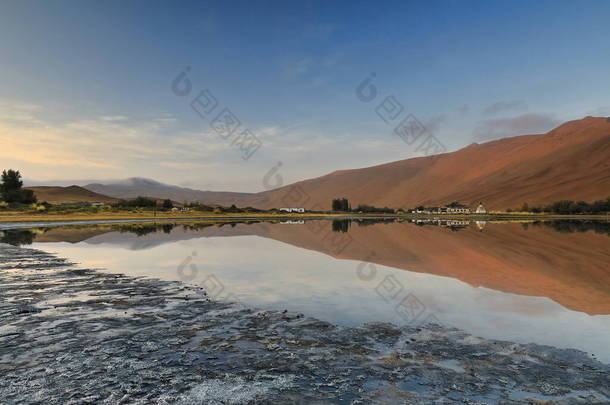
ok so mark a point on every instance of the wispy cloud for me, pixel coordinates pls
(505, 106)
(491, 129)
(121, 146)
(19, 113)
(113, 118)
(434, 123)
(600, 112)
(188, 165)
(102, 147)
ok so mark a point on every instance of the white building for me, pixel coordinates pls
(293, 209)
(480, 209)
(458, 210)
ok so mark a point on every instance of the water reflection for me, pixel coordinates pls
(566, 261)
(542, 282)
(18, 237)
(570, 226)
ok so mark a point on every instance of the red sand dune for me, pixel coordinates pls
(570, 162)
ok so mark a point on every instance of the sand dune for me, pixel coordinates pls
(570, 162)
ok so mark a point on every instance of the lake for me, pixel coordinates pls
(539, 282)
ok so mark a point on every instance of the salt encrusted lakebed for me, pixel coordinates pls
(70, 336)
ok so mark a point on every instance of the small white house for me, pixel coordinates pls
(480, 209)
(292, 209)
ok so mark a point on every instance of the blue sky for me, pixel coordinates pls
(86, 86)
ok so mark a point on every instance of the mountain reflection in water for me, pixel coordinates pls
(529, 280)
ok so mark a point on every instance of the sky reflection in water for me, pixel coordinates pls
(275, 266)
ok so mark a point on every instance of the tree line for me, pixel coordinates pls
(341, 204)
(144, 202)
(570, 207)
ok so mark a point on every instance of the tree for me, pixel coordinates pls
(11, 180)
(168, 204)
(341, 204)
(12, 188)
(525, 207)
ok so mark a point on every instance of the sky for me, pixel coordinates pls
(91, 90)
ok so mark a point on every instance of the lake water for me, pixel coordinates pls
(546, 283)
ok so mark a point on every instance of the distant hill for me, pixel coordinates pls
(71, 194)
(137, 186)
(570, 162)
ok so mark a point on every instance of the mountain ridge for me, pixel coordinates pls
(139, 186)
(571, 162)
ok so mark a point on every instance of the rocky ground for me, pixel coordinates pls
(75, 336)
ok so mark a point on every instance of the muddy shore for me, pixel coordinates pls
(70, 335)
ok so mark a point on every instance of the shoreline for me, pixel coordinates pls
(18, 219)
(144, 340)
